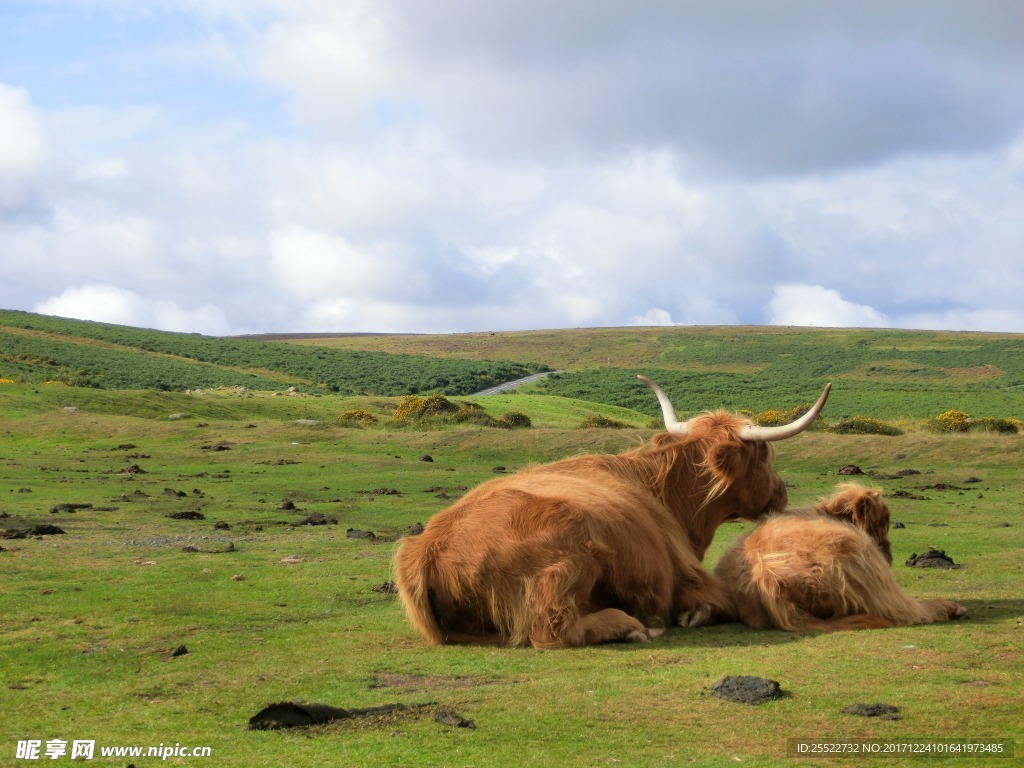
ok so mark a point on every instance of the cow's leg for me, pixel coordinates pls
(559, 597)
(704, 601)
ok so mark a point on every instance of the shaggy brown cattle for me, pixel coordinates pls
(586, 549)
(824, 568)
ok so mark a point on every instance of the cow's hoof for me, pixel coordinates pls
(638, 636)
(696, 617)
(655, 632)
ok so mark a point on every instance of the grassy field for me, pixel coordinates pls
(271, 610)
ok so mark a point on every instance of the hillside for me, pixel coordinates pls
(37, 348)
(881, 373)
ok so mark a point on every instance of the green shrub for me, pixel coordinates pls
(771, 418)
(357, 418)
(950, 421)
(864, 425)
(414, 408)
(514, 420)
(596, 421)
(989, 424)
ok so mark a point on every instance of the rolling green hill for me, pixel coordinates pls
(880, 373)
(38, 348)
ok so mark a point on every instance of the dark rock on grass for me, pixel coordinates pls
(289, 505)
(44, 529)
(72, 507)
(746, 690)
(427, 458)
(221, 446)
(174, 493)
(850, 469)
(933, 558)
(881, 711)
(907, 495)
(898, 525)
(187, 515)
(294, 714)
(448, 717)
(317, 518)
(387, 588)
(355, 533)
(221, 526)
(291, 714)
(415, 529)
(174, 653)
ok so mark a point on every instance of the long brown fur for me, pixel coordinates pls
(587, 549)
(824, 568)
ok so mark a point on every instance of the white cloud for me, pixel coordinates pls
(463, 166)
(110, 304)
(817, 306)
(23, 146)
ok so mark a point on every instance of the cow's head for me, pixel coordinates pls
(863, 508)
(736, 461)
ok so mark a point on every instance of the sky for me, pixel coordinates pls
(248, 166)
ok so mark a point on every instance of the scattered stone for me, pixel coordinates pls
(278, 462)
(451, 718)
(70, 409)
(294, 714)
(215, 447)
(289, 505)
(187, 515)
(72, 508)
(133, 469)
(181, 650)
(881, 711)
(189, 548)
(972, 479)
(384, 492)
(933, 558)
(746, 689)
(898, 525)
(179, 416)
(906, 495)
(125, 447)
(238, 577)
(221, 526)
(387, 588)
(317, 518)
(850, 469)
(292, 560)
(307, 422)
(355, 533)
(499, 469)
(176, 494)
(291, 714)
(415, 529)
(44, 529)
(427, 457)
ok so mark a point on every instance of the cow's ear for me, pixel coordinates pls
(728, 459)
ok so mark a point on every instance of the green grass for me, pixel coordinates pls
(88, 617)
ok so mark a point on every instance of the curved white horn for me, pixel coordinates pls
(672, 424)
(768, 434)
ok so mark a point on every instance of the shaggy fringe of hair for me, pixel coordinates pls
(820, 569)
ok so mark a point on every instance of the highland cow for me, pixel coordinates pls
(595, 548)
